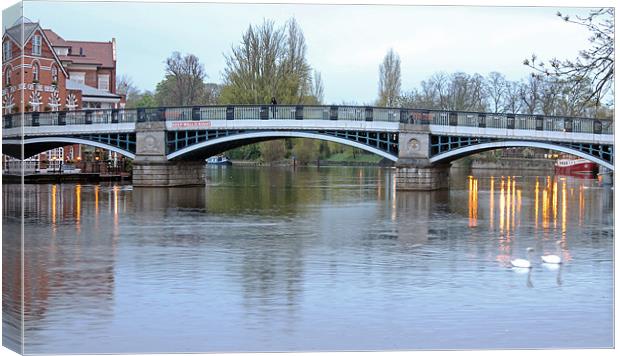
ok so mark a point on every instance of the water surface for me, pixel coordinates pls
(311, 259)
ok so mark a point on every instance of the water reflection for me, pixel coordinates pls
(304, 259)
(551, 202)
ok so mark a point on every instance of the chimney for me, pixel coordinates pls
(114, 49)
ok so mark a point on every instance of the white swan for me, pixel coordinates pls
(553, 259)
(521, 263)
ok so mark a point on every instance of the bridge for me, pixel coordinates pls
(168, 145)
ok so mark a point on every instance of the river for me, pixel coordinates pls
(307, 259)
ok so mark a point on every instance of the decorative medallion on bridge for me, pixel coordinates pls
(149, 144)
(414, 145)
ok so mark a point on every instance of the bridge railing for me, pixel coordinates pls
(309, 112)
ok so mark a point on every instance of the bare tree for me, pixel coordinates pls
(573, 99)
(495, 89)
(513, 103)
(126, 87)
(529, 92)
(184, 82)
(317, 87)
(550, 92)
(595, 64)
(389, 79)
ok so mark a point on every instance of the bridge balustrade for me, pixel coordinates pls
(310, 112)
(466, 119)
(441, 118)
(390, 115)
(316, 113)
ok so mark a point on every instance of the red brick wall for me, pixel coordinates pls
(44, 86)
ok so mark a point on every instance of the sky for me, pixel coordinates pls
(346, 43)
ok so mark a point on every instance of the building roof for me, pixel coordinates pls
(15, 32)
(97, 53)
(55, 39)
(90, 91)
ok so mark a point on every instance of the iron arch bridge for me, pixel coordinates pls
(191, 133)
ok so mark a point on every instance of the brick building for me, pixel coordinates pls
(57, 75)
(92, 70)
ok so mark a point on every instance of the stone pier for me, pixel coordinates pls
(151, 167)
(414, 170)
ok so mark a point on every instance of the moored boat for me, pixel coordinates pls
(577, 167)
(219, 160)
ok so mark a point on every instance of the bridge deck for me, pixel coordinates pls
(313, 113)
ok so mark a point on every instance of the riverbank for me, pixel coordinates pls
(342, 159)
(540, 164)
(66, 178)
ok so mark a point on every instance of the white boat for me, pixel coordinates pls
(219, 160)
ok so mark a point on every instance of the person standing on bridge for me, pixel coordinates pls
(273, 106)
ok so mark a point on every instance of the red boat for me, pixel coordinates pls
(575, 167)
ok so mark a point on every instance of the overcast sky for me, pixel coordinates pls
(346, 43)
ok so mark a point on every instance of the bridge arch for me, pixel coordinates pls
(41, 144)
(253, 137)
(477, 148)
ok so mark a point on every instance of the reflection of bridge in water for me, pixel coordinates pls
(169, 145)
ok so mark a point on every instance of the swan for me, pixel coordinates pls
(553, 259)
(521, 263)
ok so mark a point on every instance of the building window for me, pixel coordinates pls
(6, 50)
(54, 74)
(7, 76)
(104, 82)
(35, 72)
(61, 51)
(36, 45)
(77, 76)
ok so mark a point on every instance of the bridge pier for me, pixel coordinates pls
(151, 168)
(416, 177)
(414, 171)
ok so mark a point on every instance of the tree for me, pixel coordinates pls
(466, 92)
(273, 151)
(126, 87)
(305, 150)
(389, 79)
(529, 92)
(513, 102)
(495, 90)
(317, 88)
(145, 100)
(183, 84)
(269, 62)
(550, 91)
(595, 64)
(211, 93)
